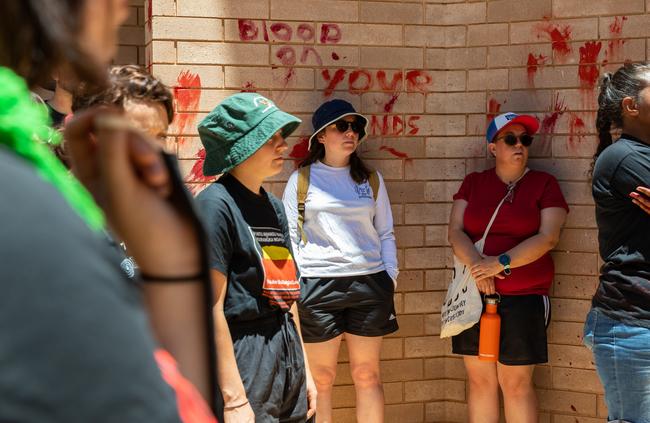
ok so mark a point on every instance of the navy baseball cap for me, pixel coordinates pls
(333, 110)
(506, 119)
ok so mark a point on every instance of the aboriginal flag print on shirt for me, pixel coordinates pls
(280, 284)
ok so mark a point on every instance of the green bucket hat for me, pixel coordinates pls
(238, 127)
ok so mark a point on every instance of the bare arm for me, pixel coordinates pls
(236, 406)
(552, 219)
(461, 243)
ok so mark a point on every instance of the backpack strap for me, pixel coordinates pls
(373, 180)
(303, 186)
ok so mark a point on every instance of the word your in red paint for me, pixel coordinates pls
(250, 30)
(361, 80)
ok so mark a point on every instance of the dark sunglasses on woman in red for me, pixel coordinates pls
(343, 125)
(511, 139)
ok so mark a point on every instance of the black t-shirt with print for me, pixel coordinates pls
(623, 232)
(250, 244)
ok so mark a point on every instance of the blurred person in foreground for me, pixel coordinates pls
(77, 344)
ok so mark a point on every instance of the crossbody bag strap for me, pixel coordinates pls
(303, 187)
(511, 188)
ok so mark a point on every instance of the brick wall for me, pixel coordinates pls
(428, 74)
(131, 36)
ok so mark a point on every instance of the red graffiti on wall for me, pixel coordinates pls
(388, 107)
(614, 47)
(394, 152)
(361, 81)
(330, 33)
(249, 87)
(196, 180)
(577, 129)
(393, 125)
(335, 56)
(494, 107)
(534, 62)
(300, 150)
(549, 123)
(559, 37)
(187, 94)
(588, 67)
(149, 13)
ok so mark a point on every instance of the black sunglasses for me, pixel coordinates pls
(343, 125)
(511, 139)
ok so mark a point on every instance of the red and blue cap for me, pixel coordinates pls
(506, 119)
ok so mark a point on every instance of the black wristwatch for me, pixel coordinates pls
(504, 260)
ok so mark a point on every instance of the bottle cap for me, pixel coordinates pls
(492, 300)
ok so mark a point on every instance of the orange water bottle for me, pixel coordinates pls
(488, 342)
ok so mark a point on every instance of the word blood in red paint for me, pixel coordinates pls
(361, 80)
(197, 181)
(494, 107)
(613, 53)
(187, 94)
(532, 65)
(394, 152)
(559, 37)
(588, 67)
(249, 30)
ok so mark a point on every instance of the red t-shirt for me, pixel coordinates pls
(515, 222)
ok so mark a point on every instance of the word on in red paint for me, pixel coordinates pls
(326, 33)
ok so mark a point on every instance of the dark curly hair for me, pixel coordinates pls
(127, 82)
(38, 36)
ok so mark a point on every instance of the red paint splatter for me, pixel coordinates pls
(533, 63)
(394, 152)
(395, 84)
(388, 107)
(494, 107)
(335, 56)
(287, 56)
(149, 13)
(248, 30)
(418, 80)
(332, 81)
(330, 33)
(588, 68)
(196, 179)
(614, 46)
(356, 76)
(549, 122)
(559, 37)
(300, 150)
(249, 87)
(577, 129)
(187, 94)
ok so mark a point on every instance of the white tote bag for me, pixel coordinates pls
(463, 305)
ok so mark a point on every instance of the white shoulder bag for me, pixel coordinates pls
(463, 305)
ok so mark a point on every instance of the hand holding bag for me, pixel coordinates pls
(463, 305)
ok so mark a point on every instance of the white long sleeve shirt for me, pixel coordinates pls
(348, 233)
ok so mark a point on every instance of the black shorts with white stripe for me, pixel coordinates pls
(524, 319)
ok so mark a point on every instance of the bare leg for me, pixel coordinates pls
(483, 398)
(323, 357)
(518, 393)
(364, 366)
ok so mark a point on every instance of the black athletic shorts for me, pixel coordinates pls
(361, 305)
(524, 319)
(272, 368)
